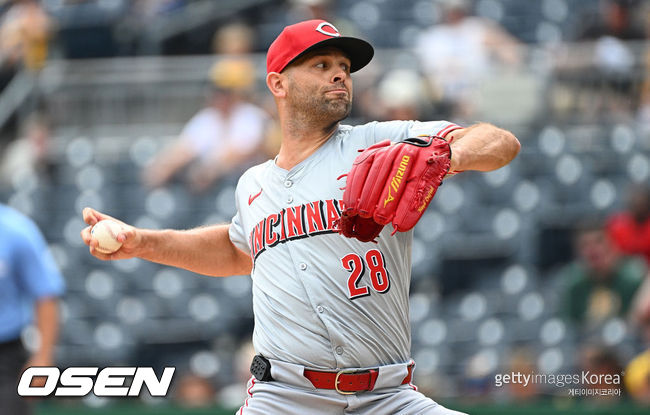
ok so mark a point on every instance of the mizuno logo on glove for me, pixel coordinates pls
(397, 179)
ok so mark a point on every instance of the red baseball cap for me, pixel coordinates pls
(300, 38)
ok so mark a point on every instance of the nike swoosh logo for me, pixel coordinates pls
(253, 197)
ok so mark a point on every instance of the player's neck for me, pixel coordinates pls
(299, 143)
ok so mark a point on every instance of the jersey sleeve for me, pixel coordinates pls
(236, 230)
(437, 128)
(399, 130)
(37, 270)
(236, 233)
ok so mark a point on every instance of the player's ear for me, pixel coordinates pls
(277, 84)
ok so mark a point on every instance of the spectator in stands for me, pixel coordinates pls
(641, 311)
(234, 392)
(29, 287)
(601, 282)
(643, 112)
(25, 32)
(459, 52)
(637, 378)
(24, 35)
(521, 359)
(235, 39)
(29, 153)
(616, 19)
(638, 371)
(312, 9)
(610, 86)
(194, 391)
(300, 10)
(478, 378)
(226, 135)
(630, 229)
(601, 361)
(399, 95)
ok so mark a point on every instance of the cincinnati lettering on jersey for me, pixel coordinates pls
(296, 222)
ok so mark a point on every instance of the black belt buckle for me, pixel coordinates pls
(261, 368)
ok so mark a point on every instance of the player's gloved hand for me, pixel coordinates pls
(392, 183)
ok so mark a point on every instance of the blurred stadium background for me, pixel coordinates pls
(116, 81)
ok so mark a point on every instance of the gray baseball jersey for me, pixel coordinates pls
(320, 299)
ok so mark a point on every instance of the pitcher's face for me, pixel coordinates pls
(320, 83)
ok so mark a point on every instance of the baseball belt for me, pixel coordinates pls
(345, 381)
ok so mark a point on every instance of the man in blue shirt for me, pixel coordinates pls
(30, 285)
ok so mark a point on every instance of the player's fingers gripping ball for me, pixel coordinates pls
(106, 232)
(392, 183)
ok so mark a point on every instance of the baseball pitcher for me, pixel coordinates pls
(324, 230)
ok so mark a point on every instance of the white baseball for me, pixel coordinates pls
(105, 232)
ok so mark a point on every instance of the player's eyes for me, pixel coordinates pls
(325, 65)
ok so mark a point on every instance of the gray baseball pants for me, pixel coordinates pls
(290, 393)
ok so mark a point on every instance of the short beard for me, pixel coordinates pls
(314, 107)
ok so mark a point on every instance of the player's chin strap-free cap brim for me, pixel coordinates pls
(357, 50)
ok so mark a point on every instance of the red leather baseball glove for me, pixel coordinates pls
(392, 183)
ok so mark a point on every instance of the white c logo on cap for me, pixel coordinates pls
(322, 25)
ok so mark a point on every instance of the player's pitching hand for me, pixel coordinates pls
(128, 236)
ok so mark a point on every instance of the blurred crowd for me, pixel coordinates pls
(465, 63)
(458, 46)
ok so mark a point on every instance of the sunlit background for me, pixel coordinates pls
(95, 100)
